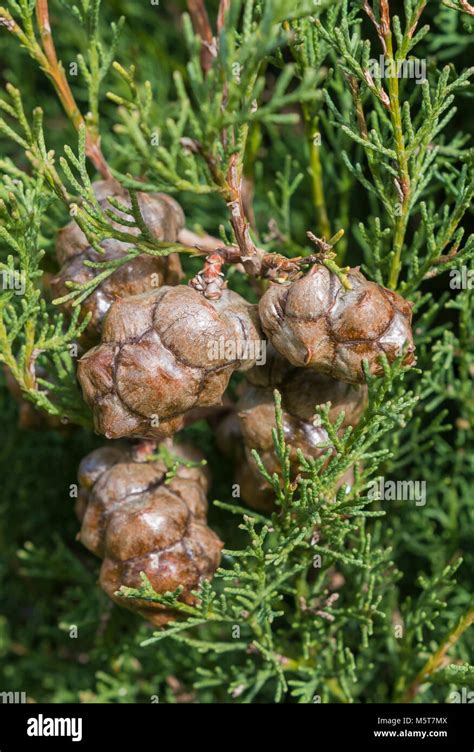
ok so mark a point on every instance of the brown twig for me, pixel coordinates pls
(206, 243)
(378, 26)
(467, 7)
(412, 28)
(202, 27)
(55, 73)
(256, 262)
(359, 108)
(385, 17)
(231, 183)
(237, 216)
(273, 266)
(224, 6)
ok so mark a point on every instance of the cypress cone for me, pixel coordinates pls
(301, 391)
(157, 362)
(136, 522)
(164, 218)
(316, 323)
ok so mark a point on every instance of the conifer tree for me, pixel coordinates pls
(311, 145)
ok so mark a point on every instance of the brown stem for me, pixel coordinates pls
(378, 26)
(55, 72)
(467, 7)
(355, 93)
(385, 18)
(210, 280)
(208, 245)
(224, 6)
(204, 242)
(202, 27)
(419, 12)
(232, 182)
(237, 216)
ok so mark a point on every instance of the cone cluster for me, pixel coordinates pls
(160, 355)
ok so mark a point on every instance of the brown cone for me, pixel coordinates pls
(157, 360)
(138, 523)
(163, 217)
(301, 391)
(315, 323)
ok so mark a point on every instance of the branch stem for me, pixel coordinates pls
(55, 72)
(437, 659)
(400, 148)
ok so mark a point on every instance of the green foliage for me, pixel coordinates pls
(335, 596)
(30, 333)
